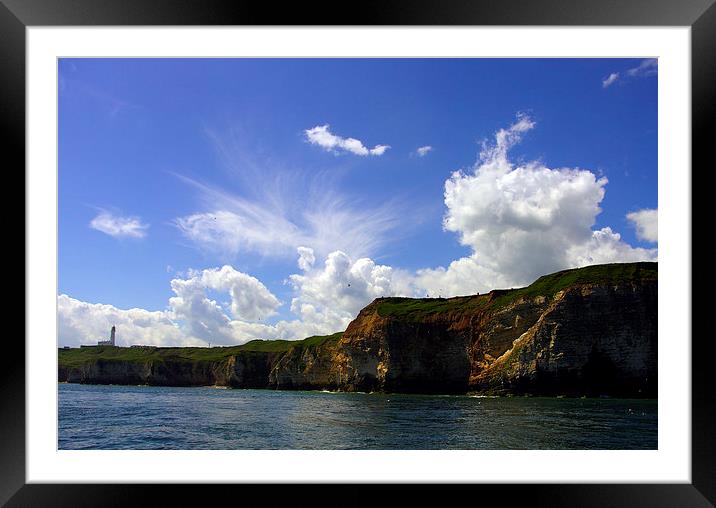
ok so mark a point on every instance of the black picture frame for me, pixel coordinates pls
(700, 15)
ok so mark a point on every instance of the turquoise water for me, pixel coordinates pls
(143, 417)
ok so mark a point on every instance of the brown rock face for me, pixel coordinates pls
(429, 356)
(585, 339)
(310, 367)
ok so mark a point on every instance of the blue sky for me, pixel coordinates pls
(171, 168)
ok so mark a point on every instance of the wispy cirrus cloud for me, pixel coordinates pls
(111, 104)
(283, 219)
(647, 67)
(271, 209)
(321, 135)
(118, 226)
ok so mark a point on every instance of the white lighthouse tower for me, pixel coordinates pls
(109, 342)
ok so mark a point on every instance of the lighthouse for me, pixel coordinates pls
(109, 342)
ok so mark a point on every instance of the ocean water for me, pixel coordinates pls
(143, 417)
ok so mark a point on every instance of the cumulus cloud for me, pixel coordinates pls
(250, 299)
(119, 227)
(86, 323)
(337, 291)
(606, 246)
(204, 318)
(306, 258)
(609, 80)
(423, 150)
(321, 135)
(522, 222)
(190, 318)
(646, 223)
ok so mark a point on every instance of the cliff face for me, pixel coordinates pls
(426, 356)
(588, 340)
(591, 331)
(307, 367)
(245, 370)
(583, 335)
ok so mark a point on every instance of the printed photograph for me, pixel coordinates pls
(357, 253)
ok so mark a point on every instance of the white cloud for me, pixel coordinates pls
(646, 223)
(191, 317)
(335, 293)
(379, 149)
(423, 150)
(200, 317)
(522, 222)
(204, 318)
(606, 246)
(647, 67)
(119, 227)
(610, 79)
(272, 209)
(306, 258)
(250, 299)
(86, 323)
(286, 217)
(244, 228)
(197, 314)
(321, 136)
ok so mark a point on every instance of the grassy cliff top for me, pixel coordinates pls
(547, 285)
(78, 356)
(416, 308)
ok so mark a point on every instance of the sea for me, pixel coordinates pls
(205, 418)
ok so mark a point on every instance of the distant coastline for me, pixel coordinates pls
(584, 332)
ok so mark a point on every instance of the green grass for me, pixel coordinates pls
(265, 346)
(547, 285)
(279, 346)
(319, 340)
(76, 357)
(417, 308)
